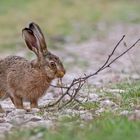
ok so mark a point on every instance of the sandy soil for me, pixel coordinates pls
(82, 58)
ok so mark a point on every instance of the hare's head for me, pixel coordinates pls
(35, 41)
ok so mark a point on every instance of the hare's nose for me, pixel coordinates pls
(60, 74)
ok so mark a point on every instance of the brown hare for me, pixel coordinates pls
(22, 79)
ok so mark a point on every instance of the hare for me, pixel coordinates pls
(22, 79)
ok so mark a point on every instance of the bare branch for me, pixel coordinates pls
(78, 83)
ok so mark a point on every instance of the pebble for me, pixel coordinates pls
(135, 76)
(125, 112)
(86, 116)
(135, 115)
(93, 97)
(107, 103)
(115, 90)
(5, 127)
(99, 111)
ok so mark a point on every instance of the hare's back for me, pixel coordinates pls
(12, 64)
(12, 61)
(7, 65)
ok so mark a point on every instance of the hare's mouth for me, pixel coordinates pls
(60, 74)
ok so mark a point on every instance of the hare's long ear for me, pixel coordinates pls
(39, 36)
(30, 40)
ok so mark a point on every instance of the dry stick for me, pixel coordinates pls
(83, 79)
(106, 65)
(100, 69)
(68, 88)
(110, 54)
(64, 87)
(73, 97)
(131, 60)
(122, 54)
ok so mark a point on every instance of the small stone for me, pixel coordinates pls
(5, 127)
(87, 116)
(19, 111)
(35, 119)
(2, 120)
(93, 97)
(135, 115)
(135, 76)
(82, 99)
(115, 90)
(124, 113)
(71, 112)
(2, 115)
(35, 110)
(107, 103)
(99, 111)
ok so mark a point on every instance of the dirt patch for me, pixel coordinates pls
(83, 58)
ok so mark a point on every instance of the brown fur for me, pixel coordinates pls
(21, 79)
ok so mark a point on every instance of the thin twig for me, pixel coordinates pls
(79, 82)
(68, 88)
(74, 95)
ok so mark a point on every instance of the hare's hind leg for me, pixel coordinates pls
(34, 103)
(18, 102)
(34, 106)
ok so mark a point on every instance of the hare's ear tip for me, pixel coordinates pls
(32, 24)
(24, 29)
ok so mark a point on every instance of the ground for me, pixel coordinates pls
(114, 91)
(82, 33)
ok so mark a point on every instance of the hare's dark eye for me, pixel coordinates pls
(53, 64)
(55, 58)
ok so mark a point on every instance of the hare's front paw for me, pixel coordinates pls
(33, 110)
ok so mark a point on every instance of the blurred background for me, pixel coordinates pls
(80, 32)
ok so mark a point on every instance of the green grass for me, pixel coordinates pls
(74, 19)
(106, 127)
(130, 97)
